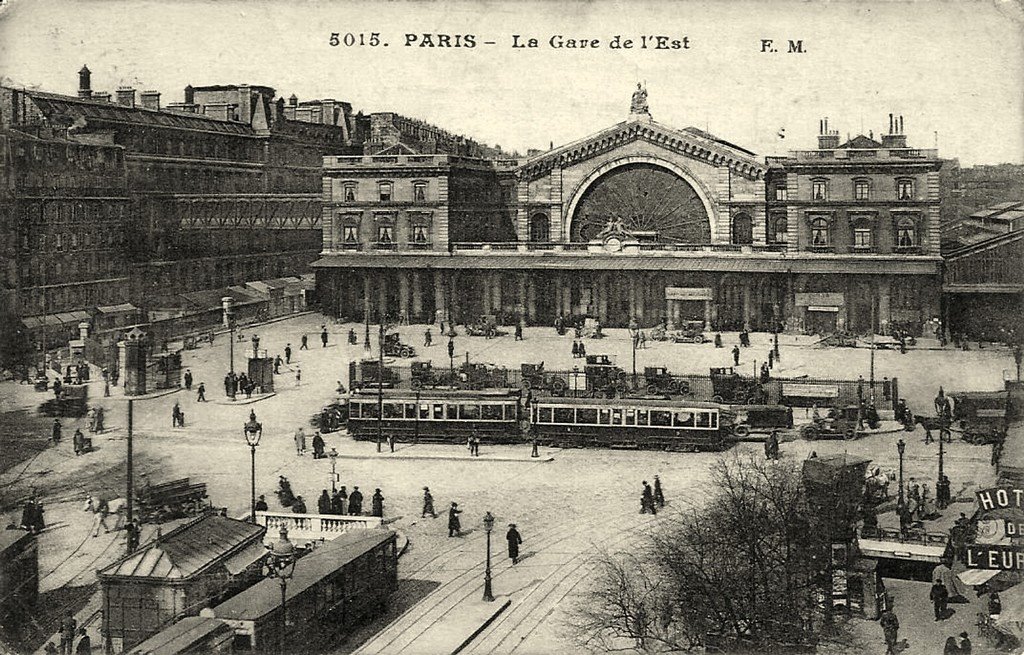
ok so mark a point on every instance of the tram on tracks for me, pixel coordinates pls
(436, 415)
(630, 423)
(333, 589)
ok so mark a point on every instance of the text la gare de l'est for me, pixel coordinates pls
(555, 41)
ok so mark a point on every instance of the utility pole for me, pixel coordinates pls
(130, 497)
(871, 382)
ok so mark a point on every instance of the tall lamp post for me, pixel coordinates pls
(451, 356)
(901, 447)
(333, 455)
(227, 304)
(636, 337)
(380, 385)
(253, 431)
(488, 526)
(281, 565)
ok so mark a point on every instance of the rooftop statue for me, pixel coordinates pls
(639, 103)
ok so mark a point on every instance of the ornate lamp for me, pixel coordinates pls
(488, 526)
(252, 430)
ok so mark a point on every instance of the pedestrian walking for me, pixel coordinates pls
(519, 331)
(288, 353)
(99, 420)
(736, 355)
(890, 629)
(771, 359)
(277, 365)
(536, 447)
(939, 597)
(68, 628)
(428, 338)
(299, 506)
(391, 442)
(100, 510)
(377, 504)
(201, 393)
(323, 503)
(305, 343)
(300, 441)
(951, 647)
(106, 388)
(261, 504)
(965, 644)
(78, 441)
(355, 502)
(575, 349)
(583, 350)
(773, 439)
(647, 500)
(514, 540)
(323, 336)
(55, 433)
(476, 446)
(454, 526)
(318, 446)
(428, 504)
(298, 377)
(659, 495)
(188, 380)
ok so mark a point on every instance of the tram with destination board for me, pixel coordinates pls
(434, 415)
(630, 423)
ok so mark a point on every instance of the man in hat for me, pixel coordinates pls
(323, 503)
(299, 506)
(647, 500)
(323, 336)
(355, 502)
(939, 597)
(261, 504)
(56, 431)
(659, 495)
(965, 644)
(736, 355)
(339, 501)
(454, 526)
(300, 441)
(514, 539)
(890, 628)
(428, 504)
(377, 504)
(201, 395)
(318, 446)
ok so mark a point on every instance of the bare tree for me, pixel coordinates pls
(744, 571)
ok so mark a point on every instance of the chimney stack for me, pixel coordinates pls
(293, 100)
(126, 96)
(190, 95)
(895, 138)
(101, 96)
(828, 139)
(84, 82)
(151, 100)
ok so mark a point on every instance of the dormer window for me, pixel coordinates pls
(384, 191)
(861, 190)
(419, 192)
(905, 189)
(819, 189)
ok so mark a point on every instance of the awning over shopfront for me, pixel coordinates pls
(68, 319)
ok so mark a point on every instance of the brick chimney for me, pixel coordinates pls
(84, 83)
(126, 96)
(101, 96)
(151, 100)
(827, 139)
(895, 138)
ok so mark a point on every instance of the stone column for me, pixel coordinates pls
(521, 307)
(417, 298)
(884, 299)
(670, 316)
(496, 281)
(485, 282)
(531, 299)
(747, 305)
(604, 290)
(633, 313)
(566, 284)
(440, 307)
(641, 297)
(367, 293)
(382, 298)
(707, 315)
(403, 296)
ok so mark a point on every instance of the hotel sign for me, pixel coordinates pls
(688, 293)
(998, 557)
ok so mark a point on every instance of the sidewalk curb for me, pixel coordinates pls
(484, 626)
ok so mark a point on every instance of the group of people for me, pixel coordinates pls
(81, 443)
(236, 384)
(177, 417)
(342, 503)
(472, 443)
(512, 537)
(652, 499)
(96, 417)
(319, 446)
(32, 516)
(69, 631)
(579, 349)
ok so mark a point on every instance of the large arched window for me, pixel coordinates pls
(906, 233)
(780, 230)
(819, 233)
(742, 229)
(540, 228)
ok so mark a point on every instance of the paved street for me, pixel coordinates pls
(567, 504)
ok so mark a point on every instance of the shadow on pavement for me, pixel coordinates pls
(50, 608)
(409, 592)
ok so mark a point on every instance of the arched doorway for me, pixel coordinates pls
(540, 228)
(742, 229)
(643, 200)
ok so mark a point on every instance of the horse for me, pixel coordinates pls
(117, 507)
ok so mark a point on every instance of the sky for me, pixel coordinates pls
(953, 69)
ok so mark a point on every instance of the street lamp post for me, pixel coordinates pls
(380, 386)
(227, 304)
(901, 447)
(281, 565)
(253, 430)
(334, 470)
(451, 357)
(635, 338)
(488, 526)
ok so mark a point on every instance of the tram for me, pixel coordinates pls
(436, 415)
(630, 423)
(334, 589)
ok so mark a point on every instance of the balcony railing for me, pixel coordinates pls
(314, 527)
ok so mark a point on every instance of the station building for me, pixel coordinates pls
(640, 221)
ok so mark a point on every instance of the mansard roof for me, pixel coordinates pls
(689, 141)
